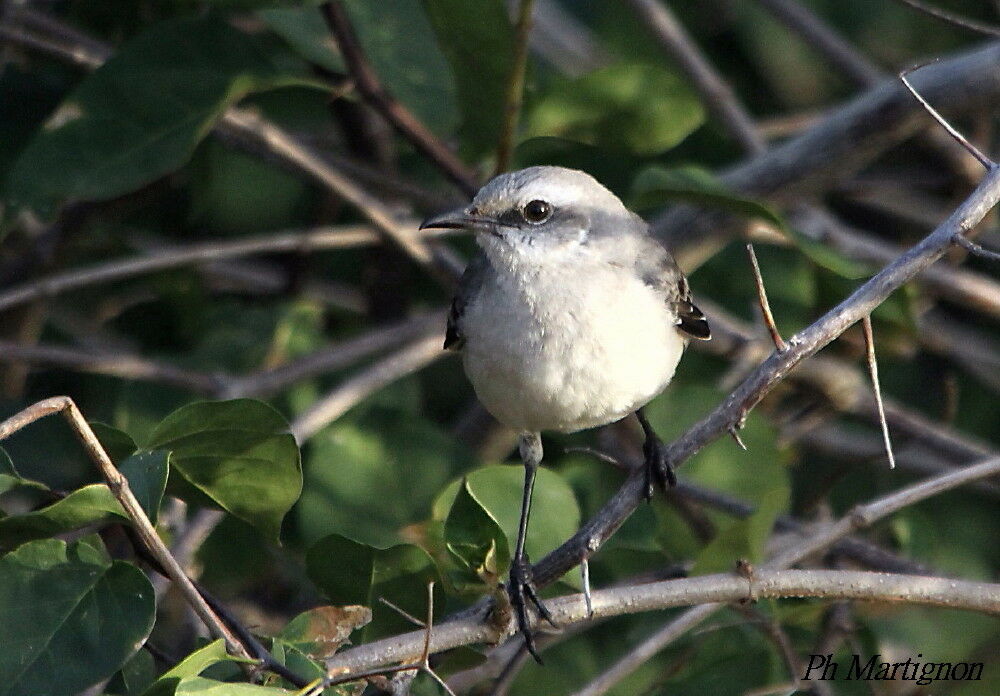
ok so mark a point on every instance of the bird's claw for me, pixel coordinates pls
(658, 468)
(522, 591)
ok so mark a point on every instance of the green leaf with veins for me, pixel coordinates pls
(69, 617)
(475, 542)
(239, 453)
(141, 114)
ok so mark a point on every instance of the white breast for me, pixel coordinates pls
(543, 358)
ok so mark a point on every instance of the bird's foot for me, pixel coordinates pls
(658, 468)
(522, 591)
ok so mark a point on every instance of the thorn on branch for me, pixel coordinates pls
(585, 574)
(745, 569)
(735, 434)
(959, 138)
(866, 324)
(765, 307)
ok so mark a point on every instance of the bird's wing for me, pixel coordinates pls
(468, 287)
(659, 270)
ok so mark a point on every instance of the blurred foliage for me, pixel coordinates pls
(404, 489)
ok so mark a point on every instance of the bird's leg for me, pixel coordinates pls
(521, 588)
(657, 464)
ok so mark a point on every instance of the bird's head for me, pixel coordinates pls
(540, 213)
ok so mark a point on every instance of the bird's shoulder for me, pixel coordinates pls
(470, 284)
(659, 270)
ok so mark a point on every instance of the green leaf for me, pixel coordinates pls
(69, 617)
(476, 542)
(93, 504)
(147, 477)
(399, 43)
(555, 514)
(210, 687)
(198, 661)
(239, 454)
(644, 109)
(88, 505)
(478, 40)
(117, 443)
(306, 32)
(139, 673)
(742, 539)
(383, 454)
(655, 186)
(348, 572)
(141, 114)
(10, 478)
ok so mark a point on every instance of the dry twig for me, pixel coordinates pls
(515, 86)
(866, 325)
(765, 307)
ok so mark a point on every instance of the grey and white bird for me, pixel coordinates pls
(572, 316)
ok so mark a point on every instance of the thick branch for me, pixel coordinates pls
(850, 137)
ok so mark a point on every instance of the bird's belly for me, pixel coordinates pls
(585, 362)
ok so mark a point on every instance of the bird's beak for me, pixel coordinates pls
(462, 218)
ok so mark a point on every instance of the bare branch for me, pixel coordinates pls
(818, 35)
(847, 139)
(861, 516)
(866, 324)
(409, 359)
(472, 626)
(765, 307)
(951, 18)
(402, 119)
(117, 365)
(959, 138)
(320, 238)
(719, 98)
(515, 86)
(976, 249)
(119, 487)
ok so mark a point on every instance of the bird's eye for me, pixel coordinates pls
(536, 211)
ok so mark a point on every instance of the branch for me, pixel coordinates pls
(861, 516)
(474, 626)
(119, 487)
(800, 346)
(408, 125)
(251, 131)
(818, 35)
(409, 359)
(515, 86)
(116, 365)
(846, 140)
(320, 238)
(719, 98)
(953, 19)
(866, 325)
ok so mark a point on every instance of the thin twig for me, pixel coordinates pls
(514, 92)
(951, 18)
(820, 36)
(976, 249)
(719, 98)
(321, 238)
(866, 324)
(119, 487)
(117, 365)
(412, 357)
(765, 306)
(408, 125)
(959, 138)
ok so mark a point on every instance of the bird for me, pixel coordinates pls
(572, 316)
